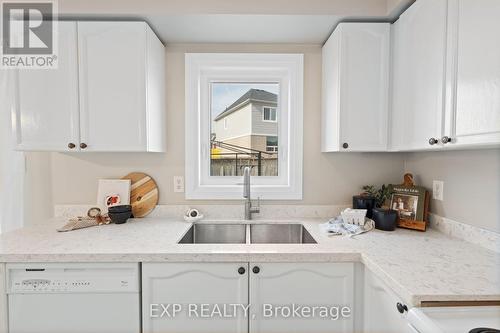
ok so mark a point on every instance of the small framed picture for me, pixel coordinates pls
(406, 206)
(412, 204)
(113, 192)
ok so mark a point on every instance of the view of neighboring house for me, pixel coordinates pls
(250, 122)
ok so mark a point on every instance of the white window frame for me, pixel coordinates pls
(201, 70)
(270, 109)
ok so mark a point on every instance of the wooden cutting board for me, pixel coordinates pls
(143, 193)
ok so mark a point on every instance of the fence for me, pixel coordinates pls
(233, 166)
(233, 159)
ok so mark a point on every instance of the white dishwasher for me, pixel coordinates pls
(470, 319)
(77, 298)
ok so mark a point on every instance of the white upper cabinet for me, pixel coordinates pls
(119, 81)
(106, 95)
(446, 75)
(473, 116)
(355, 88)
(418, 74)
(45, 117)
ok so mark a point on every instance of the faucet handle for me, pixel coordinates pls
(256, 209)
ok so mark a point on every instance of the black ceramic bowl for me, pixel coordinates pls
(120, 214)
(120, 209)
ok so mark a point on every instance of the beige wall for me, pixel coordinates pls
(38, 188)
(472, 180)
(328, 178)
(471, 184)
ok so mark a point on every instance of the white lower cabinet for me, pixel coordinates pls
(193, 285)
(277, 287)
(271, 287)
(381, 313)
(3, 301)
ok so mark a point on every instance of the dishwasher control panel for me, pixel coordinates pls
(73, 278)
(42, 285)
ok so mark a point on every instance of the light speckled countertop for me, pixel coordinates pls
(418, 266)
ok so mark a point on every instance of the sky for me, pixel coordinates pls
(224, 94)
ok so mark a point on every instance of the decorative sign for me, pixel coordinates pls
(412, 204)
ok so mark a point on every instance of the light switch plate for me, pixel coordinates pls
(178, 184)
(437, 190)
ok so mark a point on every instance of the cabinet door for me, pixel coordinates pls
(364, 86)
(195, 284)
(301, 284)
(330, 94)
(380, 311)
(45, 117)
(419, 53)
(355, 88)
(3, 301)
(112, 67)
(474, 117)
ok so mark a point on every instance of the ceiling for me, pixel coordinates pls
(218, 28)
(237, 21)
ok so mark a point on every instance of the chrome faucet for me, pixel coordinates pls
(249, 210)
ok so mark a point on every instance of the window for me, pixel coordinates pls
(272, 143)
(248, 91)
(245, 143)
(269, 114)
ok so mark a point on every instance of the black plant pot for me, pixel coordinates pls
(385, 219)
(364, 202)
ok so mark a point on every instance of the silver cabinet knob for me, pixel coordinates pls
(445, 139)
(433, 141)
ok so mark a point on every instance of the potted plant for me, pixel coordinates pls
(384, 217)
(381, 195)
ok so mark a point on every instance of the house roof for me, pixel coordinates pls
(256, 95)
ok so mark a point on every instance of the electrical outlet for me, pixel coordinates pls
(178, 184)
(437, 190)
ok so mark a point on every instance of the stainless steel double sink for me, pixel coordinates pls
(239, 233)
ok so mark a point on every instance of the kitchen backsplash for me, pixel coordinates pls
(482, 237)
(224, 212)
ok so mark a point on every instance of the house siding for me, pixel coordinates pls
(242, 141)
(258, 125)
(239, 124)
